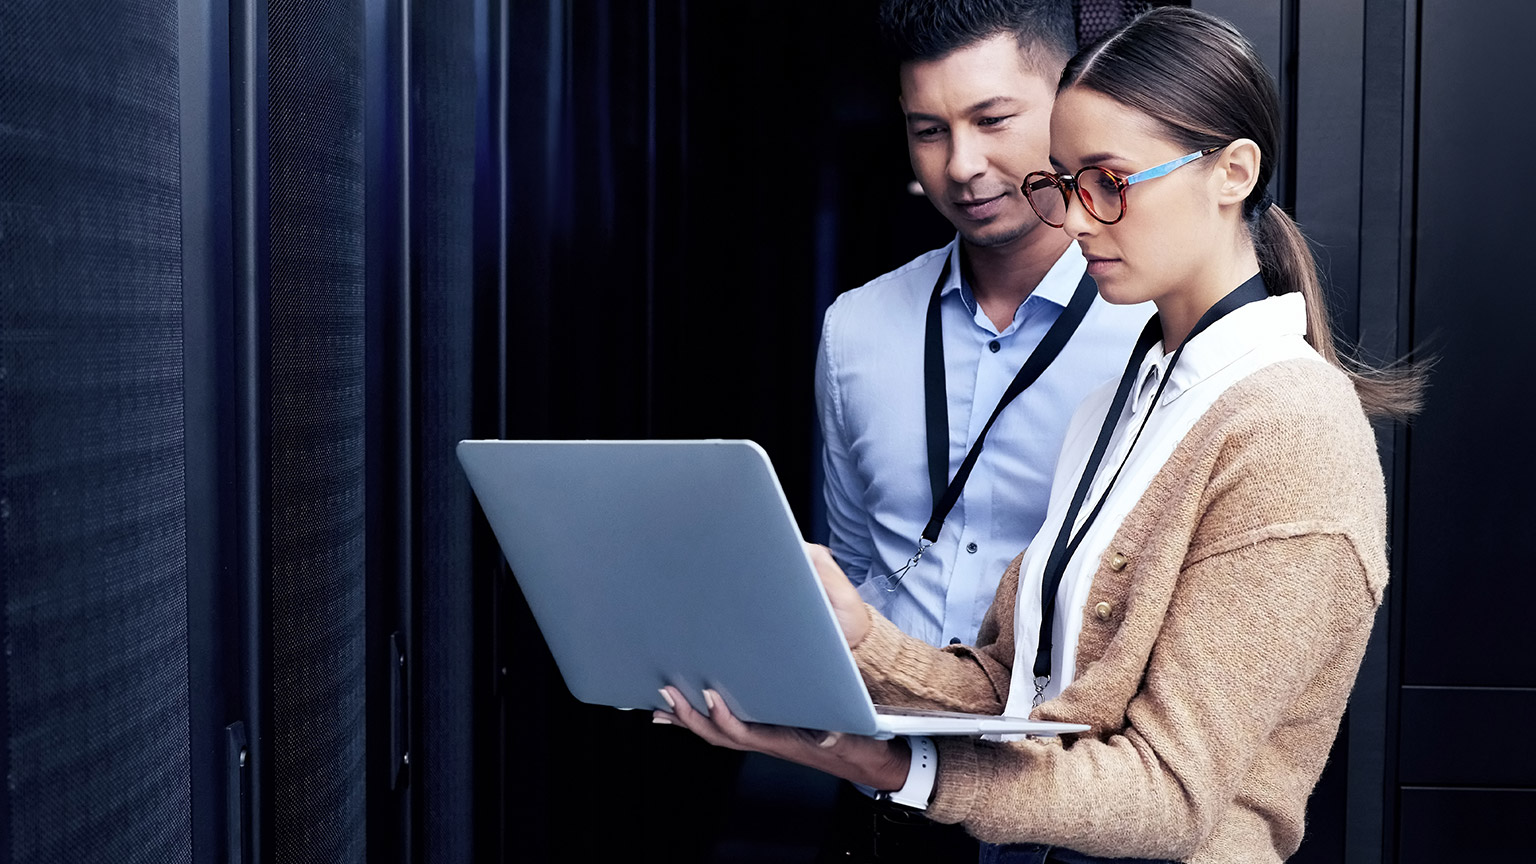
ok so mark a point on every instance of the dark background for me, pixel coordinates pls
(262, 264)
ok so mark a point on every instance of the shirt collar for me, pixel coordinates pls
(1222, 344)
(1061, 281)
(1057, 286)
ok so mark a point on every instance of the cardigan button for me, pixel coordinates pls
(1118, 562)
(1103, 610)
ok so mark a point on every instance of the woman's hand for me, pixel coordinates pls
(879, 764)
(846, 602)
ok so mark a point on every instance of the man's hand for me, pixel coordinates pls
(879, 764)
(846, 602)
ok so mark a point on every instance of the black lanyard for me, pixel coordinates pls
(1066, 544)
(936, 396)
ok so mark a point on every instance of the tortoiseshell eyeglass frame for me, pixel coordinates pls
(1066, 184)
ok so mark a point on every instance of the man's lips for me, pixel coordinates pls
(980, 208)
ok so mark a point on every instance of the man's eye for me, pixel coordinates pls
(991, 121)
(929, 132)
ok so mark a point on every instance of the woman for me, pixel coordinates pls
(1214, 551)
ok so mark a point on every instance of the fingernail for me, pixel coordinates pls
(668, 696)
(709, 699)
(657, 718)
(830, 739)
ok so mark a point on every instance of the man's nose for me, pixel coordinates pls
(967, 156)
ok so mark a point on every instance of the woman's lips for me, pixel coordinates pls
(1100, 266)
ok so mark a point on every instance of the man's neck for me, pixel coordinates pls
(1002, 277)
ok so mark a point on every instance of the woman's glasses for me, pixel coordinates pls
(1101, 190)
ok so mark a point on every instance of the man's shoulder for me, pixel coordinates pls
(874, 324)
(913, 279)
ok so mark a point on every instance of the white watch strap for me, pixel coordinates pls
(920, 776)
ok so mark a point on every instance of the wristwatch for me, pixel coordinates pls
(918, 789)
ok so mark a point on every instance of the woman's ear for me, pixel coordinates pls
(1237, 171)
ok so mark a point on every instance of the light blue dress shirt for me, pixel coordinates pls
(869, 397)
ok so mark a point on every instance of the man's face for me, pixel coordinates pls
(978, 120)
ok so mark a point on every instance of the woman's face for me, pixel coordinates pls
(1163, 243)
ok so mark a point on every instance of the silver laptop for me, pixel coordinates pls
(649, 563)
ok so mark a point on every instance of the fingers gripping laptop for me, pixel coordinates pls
(649, 563)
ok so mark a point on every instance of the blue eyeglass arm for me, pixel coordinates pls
(1159, 170)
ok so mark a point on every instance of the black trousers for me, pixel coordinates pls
(864, 831)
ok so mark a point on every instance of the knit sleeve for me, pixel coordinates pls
(901, 670)
(1248, 633)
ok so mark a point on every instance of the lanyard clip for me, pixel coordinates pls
(1040, 685)
(892, 581)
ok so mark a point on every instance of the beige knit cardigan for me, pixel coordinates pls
(1222, 634)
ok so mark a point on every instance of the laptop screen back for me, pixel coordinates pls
(669, 562)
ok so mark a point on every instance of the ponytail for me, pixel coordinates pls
(1285, 260)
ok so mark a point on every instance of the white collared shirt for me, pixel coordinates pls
(870, 400)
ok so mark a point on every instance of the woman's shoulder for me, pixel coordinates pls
(1286, 451)
(1290, 411)
(1304, 385)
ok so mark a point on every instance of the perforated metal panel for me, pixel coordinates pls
(92, 509)
(317, 430)
(1095, 18)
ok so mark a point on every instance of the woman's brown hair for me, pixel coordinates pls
(1203, 82)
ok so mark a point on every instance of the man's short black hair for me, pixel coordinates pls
(930, 29)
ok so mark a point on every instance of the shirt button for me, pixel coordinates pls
(1103, 610)
(994, 347)
(954, 640)
(971, 548)
(1118, 562)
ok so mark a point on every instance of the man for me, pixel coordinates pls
(978, 78)
(977, 81)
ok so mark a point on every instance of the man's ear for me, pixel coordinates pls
(1238, 171)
